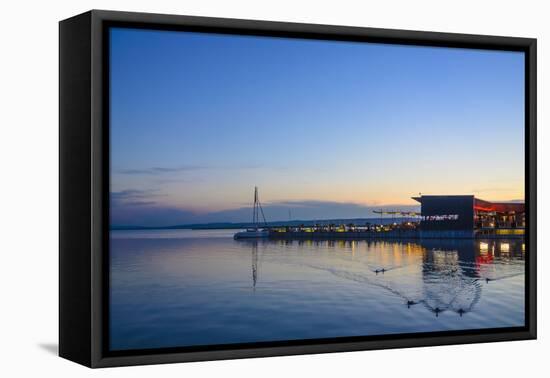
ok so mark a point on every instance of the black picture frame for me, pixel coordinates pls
(84, 187)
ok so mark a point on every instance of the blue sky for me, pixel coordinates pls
(324, 128)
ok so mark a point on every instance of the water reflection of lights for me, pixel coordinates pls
(484, 247)
(443, 259)
(451, 279)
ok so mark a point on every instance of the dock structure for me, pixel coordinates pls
(275, 233)
(348, 235)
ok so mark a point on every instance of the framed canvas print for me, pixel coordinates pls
(234, 188)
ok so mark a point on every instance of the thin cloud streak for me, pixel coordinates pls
(191, 168)
(160, 170)
(132, 194)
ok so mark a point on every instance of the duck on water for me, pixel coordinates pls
(255, 232)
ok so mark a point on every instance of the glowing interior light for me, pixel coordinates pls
(484, 247)
(504, 247)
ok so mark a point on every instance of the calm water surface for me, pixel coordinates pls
(174, 288)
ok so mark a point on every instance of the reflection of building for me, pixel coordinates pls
(448, 278)
(467, 216)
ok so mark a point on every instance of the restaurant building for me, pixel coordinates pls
(465, 216)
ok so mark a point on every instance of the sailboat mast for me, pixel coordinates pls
(254, 231)
(255, 208)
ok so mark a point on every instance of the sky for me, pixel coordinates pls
(325, 129)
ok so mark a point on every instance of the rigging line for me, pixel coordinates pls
(262, 211)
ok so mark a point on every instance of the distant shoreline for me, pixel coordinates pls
(238, 226)
(143, 228)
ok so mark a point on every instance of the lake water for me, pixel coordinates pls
(173, 288)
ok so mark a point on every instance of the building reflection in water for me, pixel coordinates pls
(452, 272)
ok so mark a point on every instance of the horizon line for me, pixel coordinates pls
(111, 226)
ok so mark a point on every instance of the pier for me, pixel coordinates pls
(313, 233)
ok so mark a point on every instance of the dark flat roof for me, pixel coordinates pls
(419, 198)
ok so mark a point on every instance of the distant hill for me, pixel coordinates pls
(294, 223)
